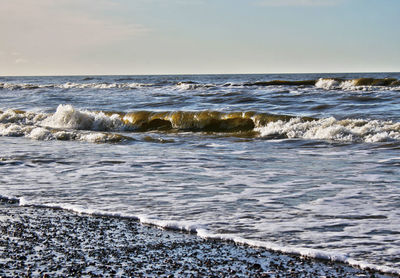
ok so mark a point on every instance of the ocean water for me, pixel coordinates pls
(300, 163)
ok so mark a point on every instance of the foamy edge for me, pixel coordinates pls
(201, 231)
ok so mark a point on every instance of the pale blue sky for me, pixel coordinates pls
(47, 37)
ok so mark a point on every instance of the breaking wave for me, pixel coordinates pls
(69, 123)
(190, 85)
(333, 83)
(356, 84)
(66, 124)
(348, 130)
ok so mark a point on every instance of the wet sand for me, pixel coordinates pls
(37, 242)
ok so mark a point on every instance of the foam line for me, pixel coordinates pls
(203, 232)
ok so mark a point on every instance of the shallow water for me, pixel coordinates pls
(312, 169)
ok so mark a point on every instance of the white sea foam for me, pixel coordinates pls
(11, 130)
(349, 130)
(332, 84)
(42, 126)
(349, 85)
(390, 160)
(13, 86)
(67, 116)
(45, 134)
(70, 85)
(192, 86)
(186, 86)
(39, 133)
(173, 225)
(25, 118)
(327, 84)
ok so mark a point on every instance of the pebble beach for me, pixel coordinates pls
(48, 242)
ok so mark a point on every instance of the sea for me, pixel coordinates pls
(305, 164)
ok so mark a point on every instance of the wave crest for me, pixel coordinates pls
(67, 116)
(355, 84)
(349, 130)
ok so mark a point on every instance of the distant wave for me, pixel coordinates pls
(190, 85)
(72, 85)
(282, 83)
(353, 84)
(322, 83)
(69, 123)
(182, 85)
(330, 83)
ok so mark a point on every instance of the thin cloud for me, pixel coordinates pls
(38, 30)
(171, 2)
(21, 61)
(287, 3)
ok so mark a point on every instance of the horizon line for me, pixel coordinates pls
(182, 74)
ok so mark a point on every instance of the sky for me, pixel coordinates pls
(88, 37)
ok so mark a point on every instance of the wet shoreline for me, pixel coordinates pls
(44, 241)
